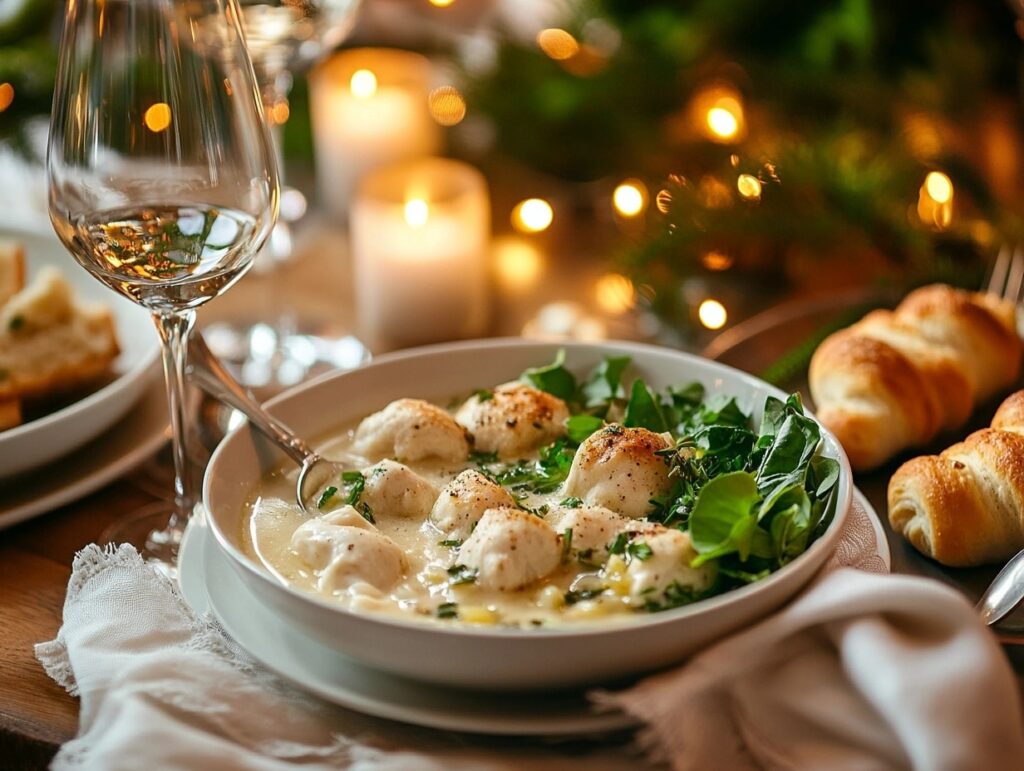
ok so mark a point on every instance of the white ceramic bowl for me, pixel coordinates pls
(43, 440)
(487, 657)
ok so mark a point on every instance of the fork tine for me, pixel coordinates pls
(1015, 281)
(1000, 271)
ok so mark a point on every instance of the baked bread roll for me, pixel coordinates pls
(966, 506)
(897, 378)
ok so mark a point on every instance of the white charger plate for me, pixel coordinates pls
(112, 454)
(209, 583)
(45, 439)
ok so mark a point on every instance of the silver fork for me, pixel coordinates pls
(1007, 590)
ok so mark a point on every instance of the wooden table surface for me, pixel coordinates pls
(36, 715)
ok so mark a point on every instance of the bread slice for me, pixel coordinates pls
(12, 269)
(51, 343)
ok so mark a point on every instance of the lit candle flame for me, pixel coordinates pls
(417, 212)
(363, 84)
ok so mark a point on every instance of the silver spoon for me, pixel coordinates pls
(315, 471)
(1004, 593)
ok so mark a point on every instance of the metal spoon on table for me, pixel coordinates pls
(1004, 593)
(207, 372)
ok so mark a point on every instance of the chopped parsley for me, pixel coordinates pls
(566, 544)
(571, 503)
(354, 482)
(367, 512)
(618, 544)
(451, 543)
(639, 550)
(462, 574)
(326, 496)
(483, 395)
(575, 595)
(448, 610)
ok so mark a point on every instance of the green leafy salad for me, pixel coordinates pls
(751, 497)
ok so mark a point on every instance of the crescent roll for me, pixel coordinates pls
(966, 506)
(897, 378)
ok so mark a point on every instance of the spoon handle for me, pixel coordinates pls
(207, 372)
(1005, 593)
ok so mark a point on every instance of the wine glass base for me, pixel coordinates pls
(268, 358)
(147, 530)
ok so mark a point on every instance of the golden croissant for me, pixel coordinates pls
(966, 506)
(897, 378)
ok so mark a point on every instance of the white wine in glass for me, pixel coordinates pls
(162, 178)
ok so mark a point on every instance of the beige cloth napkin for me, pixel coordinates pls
(861, 672)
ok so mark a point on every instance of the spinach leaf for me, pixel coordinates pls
(642, 410)
(553, 378)
(605, 382)
(788, 456)
(791, 524)
(723, 519)
(579, 427)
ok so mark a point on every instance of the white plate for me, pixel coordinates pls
(209, 583)
(58, 433)
(116, 451)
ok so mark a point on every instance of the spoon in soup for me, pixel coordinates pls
(315, 471)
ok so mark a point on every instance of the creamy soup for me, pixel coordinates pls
(514, 508)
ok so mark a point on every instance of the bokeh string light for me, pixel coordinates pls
(630, 198)
(447, 106)
(712, 314)
(533, 215)
(6, 95)
(157, 117)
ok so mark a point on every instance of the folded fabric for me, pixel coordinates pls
(861, 672)
(162, 688)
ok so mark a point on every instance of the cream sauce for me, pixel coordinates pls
(272, 518)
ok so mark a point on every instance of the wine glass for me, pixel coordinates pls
(284, 37)
(162, 178)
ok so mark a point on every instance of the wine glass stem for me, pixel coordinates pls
(174, 328)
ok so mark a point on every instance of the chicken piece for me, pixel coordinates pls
(395, 490)
(593, 528)
(347, 555)
(512, 420)
(411, 430)
(650, 572)
(619, 468)
(464, 500)
(510, 549)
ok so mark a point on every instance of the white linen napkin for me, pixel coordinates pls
(861, 672)
(162, 688)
